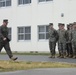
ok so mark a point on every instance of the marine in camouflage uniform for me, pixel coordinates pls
(68, 42)
(4, 40)
(67, 46)
(61, 41)
(52, 40)
(74, 40)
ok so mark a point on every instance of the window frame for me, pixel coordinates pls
(44, 1)
(23, 3)
(45, 32)
(5, 1)
(23, 33)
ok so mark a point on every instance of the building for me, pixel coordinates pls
(29, 19)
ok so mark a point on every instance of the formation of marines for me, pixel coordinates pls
(66, 40)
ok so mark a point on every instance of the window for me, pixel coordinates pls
(43, 32)
(9, 33)
(44, 0)
(5, 3)
(24, 33)
(20, 2)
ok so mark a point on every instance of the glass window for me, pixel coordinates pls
(27, 36)
(42, 36)
(49, 0)
(8, 2)
(47, 29)
(21, 30)
(20, 2)
(41, 0)
(27, 30)
(42, 32)
(24, 33)
(5, 3)
(21, 37)
(41, 29)
(44, 0)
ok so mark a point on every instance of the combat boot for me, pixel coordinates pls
(50, 56)
(59, 56)
(14, 58)
(74, 57)
(64, 57)
(53, 56)
(70, 56)
(67, 55)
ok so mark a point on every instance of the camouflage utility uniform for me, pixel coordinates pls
(74, 42)
(69, 44)
(4, 39)
(52, 41)
(5, 44)
(62, 42)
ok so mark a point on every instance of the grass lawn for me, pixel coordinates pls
(22, 65)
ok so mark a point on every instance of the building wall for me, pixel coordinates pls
(35, 14)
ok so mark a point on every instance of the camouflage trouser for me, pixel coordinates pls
(74, 48)
(52, 46)
(69, 49)
(62, 48)
(6, 47)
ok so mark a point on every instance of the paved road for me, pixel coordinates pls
(38, 58)
(48, 71)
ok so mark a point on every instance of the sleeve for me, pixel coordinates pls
(56, 35)
(71, 36)
(66, 35)
(1, 35)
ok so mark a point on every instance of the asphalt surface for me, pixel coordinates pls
(45, 71)
(38, 58)
(48, 71)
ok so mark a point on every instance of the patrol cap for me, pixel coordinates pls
(74, 23)
(70, 24)
(61, 24)
(5, 20)
(50, 24)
